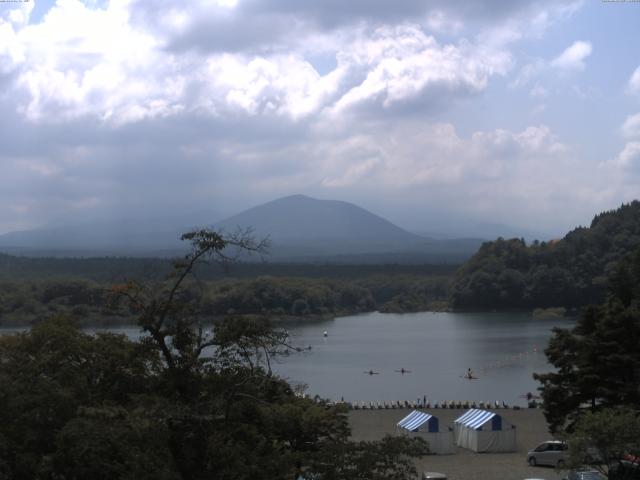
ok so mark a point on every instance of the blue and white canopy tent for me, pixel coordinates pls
(427, 426)
(484, 431)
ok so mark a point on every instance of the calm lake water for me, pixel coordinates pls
(502, 349)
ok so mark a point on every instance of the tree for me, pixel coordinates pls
(53, 372)
(243, 421)
(597, 362)
(606, 436)
(185, 403)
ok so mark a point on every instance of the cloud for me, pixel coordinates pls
(633, 86)
(81, 62)
(631, 126)
(573, 57)
(628, 159)
(416, 155)
(403, 63)
(129, 106)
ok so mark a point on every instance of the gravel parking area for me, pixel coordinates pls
(464, 464)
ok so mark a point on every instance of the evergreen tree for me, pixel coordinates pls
(598, 361)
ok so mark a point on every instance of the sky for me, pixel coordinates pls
(520, 112)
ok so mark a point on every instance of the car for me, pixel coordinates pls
(626, 469)
(584, 473)
(554, 453)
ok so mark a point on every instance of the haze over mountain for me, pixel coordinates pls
(453, 227)
(300, 229)
(126, 236)
(298, 218)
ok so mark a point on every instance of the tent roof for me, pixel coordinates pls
(475, 418)
(414, 420)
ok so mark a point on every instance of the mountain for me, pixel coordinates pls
(465, 228)
(302, 228)
(570, 272)
(302, 220)
(136, 236)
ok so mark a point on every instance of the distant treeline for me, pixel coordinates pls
(91, 303)
(118, 269)
(570, 272)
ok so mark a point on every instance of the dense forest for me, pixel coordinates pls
(570, 272)
(279, 298)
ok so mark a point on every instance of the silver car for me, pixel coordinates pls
(553, 453)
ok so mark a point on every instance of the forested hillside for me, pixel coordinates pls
(91, 303)
(570, 272)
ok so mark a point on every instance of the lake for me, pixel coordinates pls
(502, 349)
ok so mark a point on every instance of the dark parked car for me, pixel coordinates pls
(625, 470)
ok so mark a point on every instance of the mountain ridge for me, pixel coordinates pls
(301, 228)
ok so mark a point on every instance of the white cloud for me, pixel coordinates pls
(573, 57)
(402, 62)
(528, 72)
(414, 154)
(82, 61)
(634, 82)
(343, 101)
(631, 126)
(628, 159)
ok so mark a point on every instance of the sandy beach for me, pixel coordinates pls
(464, 464)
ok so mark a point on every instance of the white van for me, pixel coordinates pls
(553, 453)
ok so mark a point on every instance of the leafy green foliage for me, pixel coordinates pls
(605, 437)
(571, 272)
(598, 361)
(49, 373)
(183, 403)
(90, 303)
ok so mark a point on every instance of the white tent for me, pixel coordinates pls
(484, 431)
(427, 426)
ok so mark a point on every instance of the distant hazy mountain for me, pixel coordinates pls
(300, 228)
(141, 237)
(456, 228)
(299, 217)
(304, 228)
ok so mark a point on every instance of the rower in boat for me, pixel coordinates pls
(403, 371)
(469, 375)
